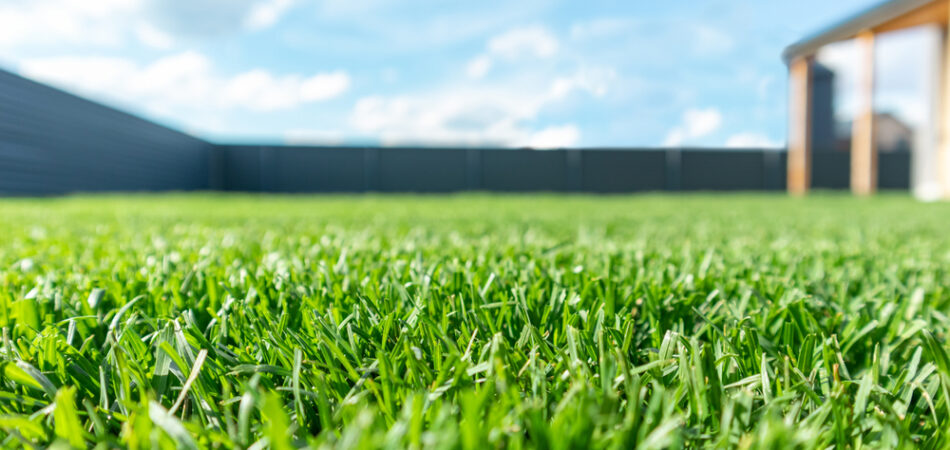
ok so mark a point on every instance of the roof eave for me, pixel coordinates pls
(851, 26)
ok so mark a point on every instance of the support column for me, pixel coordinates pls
(943, 120)
(863, 142)
(799, 125)
(925, 184)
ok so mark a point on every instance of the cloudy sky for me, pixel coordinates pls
(532, 72)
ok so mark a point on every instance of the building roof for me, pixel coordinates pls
(869, 19)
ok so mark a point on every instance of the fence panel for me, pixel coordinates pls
(422, 170)
(617, 170)
(306, 169)
(831, 170)
(893, 170)
(524, 170)
(55, 142)
(723, 170)
(242, 168)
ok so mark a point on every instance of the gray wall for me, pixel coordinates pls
(53, 142)
(594, 170)
(832, 170)
(358, 169)
(893, 170)
(612, 170)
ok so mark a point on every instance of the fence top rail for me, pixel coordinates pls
(502, 149)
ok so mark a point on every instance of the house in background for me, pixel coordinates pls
(814, 127)
(830, 133)
(824, 126)
(892, 134)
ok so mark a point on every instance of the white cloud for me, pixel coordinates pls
(502, 112)
(700, 122)
(186, 80)
(751, 140)
(463, 115)
(200, 18)
(267, 13)
(526, 41)
(696, 124)
(153, 37)
(555, 137)
(594, 80)
(91, 73)
(600, 28)
(478, 66)
(65, 21)
(454, 117)
(259, 90)
(513, 45)
(313, 137)
(114, 23)
(675, 137)
(324, 86)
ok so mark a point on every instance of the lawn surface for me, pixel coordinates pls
(475, 322)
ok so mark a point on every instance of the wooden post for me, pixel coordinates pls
(943, 119)
(799, 125)
(863, 142)
(924, 179)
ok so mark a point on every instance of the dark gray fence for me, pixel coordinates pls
(355, 169)
(893, 171)
(832, 170)
(54, 142)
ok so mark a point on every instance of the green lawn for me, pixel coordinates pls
(481, 321)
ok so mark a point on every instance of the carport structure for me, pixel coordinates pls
(864, 28)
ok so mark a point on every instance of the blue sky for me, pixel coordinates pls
(532, 72)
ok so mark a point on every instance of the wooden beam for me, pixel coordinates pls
(863, 145)
(799, 125)
(932, 13)
(887, 16)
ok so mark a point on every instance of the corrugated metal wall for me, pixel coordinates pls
(359, 169)
(53, 142)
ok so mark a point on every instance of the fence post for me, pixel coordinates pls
(674, 169)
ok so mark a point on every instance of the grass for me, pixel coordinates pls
(474, 322)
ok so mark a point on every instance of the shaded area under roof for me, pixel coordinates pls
(906, 12)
